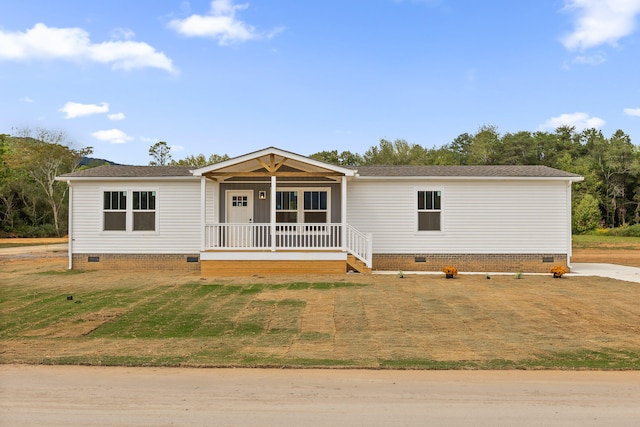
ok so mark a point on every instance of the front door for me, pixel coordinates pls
(239, 217)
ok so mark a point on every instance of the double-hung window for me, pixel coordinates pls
(315, 206)
(129, 210)
(286, 206)
(115, 210)
(313, 209)
(144, 210)
(429, 210)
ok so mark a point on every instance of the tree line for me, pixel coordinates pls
(160, 154)
(609, 196)
(33, 204)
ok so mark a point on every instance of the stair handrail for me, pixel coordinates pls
(360, 245)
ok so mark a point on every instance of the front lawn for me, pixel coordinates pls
(51, 316)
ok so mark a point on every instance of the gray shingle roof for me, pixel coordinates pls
(532, 171)
(112, 171)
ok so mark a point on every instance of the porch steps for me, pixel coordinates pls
(269, 267)
(357, 265)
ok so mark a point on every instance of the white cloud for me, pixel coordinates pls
(600, 21)
(122, 34)
(74, 44)
(112, 136)
(632, 112)
(116, 116)
(177, 148)
(26, 99)
(148, 139)
(578, 120)
(74, 109)
(221, 24)
(596, 59)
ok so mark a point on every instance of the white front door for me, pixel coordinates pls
(239, 216)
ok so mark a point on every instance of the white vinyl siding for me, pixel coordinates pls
(481, 217)
(177, 219)
(212, 196)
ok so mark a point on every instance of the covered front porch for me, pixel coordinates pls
(274, 212)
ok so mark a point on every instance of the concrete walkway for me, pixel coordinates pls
(613, 271)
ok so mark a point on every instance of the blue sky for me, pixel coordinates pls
(230, 77)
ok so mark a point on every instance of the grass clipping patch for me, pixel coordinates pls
(418, 322)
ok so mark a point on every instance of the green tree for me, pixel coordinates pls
(345, 158)
(399, 152)
(520, 148)
(457, 152)
(486, 148)
(199, 160)
(616, 165)
(37, 157)
(160, 153)
(8, 196)
(586, 214)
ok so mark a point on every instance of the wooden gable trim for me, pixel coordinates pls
(272, 169)
(281, 174)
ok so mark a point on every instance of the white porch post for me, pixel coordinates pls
(203, 211)
(343, 213)
(273, 213)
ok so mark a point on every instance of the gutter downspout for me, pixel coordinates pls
(203, 212)
(569, 225)
(70, 227)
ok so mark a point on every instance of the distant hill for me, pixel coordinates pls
(91, 162)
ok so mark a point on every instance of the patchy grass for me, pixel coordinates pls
(605, 359)
(19, 242)
(380, 321)
(60, 272)
(605, 242)
(14, 245)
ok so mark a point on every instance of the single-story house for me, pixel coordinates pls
(276, 212)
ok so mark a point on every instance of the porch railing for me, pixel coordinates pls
(288, 236)
(360, 245)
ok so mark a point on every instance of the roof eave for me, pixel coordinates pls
(127, 178)
(466, 178)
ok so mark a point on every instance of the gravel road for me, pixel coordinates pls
(100, 396)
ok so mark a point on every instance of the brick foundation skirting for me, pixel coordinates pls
(508, 263)
(137, 262)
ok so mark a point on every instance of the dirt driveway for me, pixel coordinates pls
(629, 257)
(97, 396)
